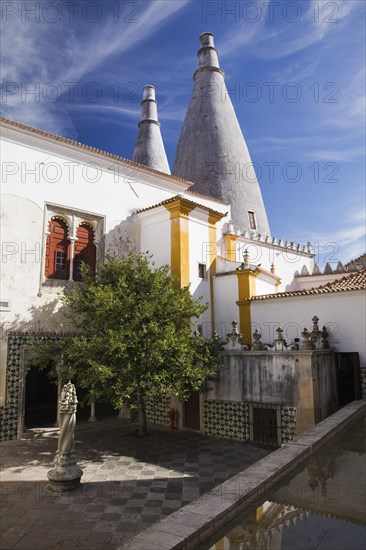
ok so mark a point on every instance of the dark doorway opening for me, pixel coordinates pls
(192, 412)
(265, 425)
(40, 399)
(348, 377)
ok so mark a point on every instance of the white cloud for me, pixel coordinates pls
(345, 238)
(280, 31)
(42, 53)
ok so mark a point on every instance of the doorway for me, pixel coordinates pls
(265, 424)
(192, 412)
(348, 377)
(40, 399)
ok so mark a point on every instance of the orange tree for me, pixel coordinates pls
(136, 340)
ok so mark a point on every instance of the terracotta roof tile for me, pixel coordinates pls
(172, 199)
(195, 194)
(88, 148)
(355, 281)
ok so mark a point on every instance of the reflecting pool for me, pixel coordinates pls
(321, 505)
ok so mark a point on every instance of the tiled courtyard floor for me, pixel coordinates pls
(128, 484)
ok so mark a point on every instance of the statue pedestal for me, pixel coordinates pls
(64, 478)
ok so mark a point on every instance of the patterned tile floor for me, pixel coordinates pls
(128, 484)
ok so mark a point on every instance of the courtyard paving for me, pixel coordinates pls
(128, 484)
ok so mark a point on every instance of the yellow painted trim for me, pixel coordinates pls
(259, 513)
(246, 289)
(179, 233)
(230, 247)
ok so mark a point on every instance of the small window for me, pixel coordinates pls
(60, 264)
(57, 265)
(202, 272)
(252, 223)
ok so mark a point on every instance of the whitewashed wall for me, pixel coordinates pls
(225, 298)
(286, 261)
(156, 234)
(200, 288)
(343, 313)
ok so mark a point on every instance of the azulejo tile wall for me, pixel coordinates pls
(230, 419)
(9, 413)
(288, 423)
(363, 383)
(157, 411)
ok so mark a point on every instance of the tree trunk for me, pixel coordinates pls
(142, 431)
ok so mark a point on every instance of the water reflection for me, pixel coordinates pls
(320, 506)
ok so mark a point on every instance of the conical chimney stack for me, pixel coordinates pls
(212, 152)
(149, 149)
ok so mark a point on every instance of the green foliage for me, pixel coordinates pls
(136, 336)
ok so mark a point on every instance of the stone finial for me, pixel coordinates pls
(304, 271)
(325, 338)
(272, 268)
(279, 343)
(234, 339)
(246, 262)
(339, 268)
(316, 270)
(306, 343)
(315, 333)
(328, 269)
(257, 344)
(230, 228)
(234, 334)
(149, 149)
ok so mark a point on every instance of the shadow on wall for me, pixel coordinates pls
(123, 238)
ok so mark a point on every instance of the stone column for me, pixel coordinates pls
(92, 417)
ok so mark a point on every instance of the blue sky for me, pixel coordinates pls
(295, 72)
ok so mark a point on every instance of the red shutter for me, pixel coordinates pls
(57, 260)
(85, 250)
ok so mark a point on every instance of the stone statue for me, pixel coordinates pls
(66, 473)
(67, 409)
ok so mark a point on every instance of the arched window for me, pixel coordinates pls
(57, 265)
(85, 250)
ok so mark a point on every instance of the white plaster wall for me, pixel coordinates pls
(343, 313)
(200, 288)
(64, 175)
(22, 249)
(225, 298)
(286, 261)
(156, 237)
(264, 286)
